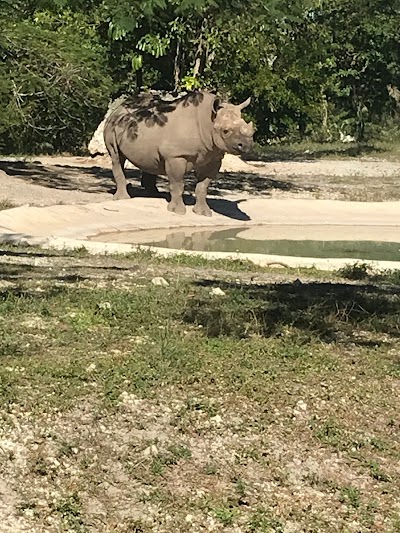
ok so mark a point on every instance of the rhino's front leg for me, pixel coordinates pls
(201, 206)
(204, 176)
(175, 170)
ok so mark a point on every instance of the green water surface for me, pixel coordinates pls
(228, 240)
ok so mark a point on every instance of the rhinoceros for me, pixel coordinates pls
(161, 137)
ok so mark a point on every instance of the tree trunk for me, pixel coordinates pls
(200, 52)
(139, 79)
(325, 116)
(198, 58)
(177, 65)
(395, 94)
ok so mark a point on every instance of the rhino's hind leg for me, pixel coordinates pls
(149, 183)
(118, 162)
(175, 170)
(201, 206)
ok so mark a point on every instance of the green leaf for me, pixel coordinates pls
(137, 62)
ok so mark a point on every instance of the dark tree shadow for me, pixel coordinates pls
(62, 177)
(334, 312)
(60, 272)
(96, 179)
(20, 292)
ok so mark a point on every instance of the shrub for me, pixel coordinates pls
(54, 89)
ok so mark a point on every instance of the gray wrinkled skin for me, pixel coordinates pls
(167, 135)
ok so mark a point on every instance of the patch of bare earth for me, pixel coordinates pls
(184, 463)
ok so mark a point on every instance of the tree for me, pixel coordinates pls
(53, 89)
(313, 67)
(364, 57)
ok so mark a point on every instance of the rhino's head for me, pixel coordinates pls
(232, 134)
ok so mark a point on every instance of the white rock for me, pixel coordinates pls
(160, 282)
(139, 340)
(104, 305)
(151, 450)
(346, 138)
(216, 291)
(301, 405)
(217, 420)
(96, 145)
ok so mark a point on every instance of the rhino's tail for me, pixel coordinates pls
(111, 142)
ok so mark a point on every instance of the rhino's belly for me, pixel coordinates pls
(152, 166)
(147, 160)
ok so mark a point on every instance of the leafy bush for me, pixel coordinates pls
(53, 89)
(356, 271)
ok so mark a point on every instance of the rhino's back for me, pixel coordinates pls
(149, 128)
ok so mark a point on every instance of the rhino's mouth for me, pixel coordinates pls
(241, 149)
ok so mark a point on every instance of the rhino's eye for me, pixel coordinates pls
(226, 132)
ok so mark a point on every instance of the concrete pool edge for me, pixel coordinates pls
(70, 226)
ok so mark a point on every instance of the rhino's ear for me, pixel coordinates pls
(216, 107)
(244, 104)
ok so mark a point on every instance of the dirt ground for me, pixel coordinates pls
(49, 180)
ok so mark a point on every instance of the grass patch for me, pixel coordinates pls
(351, 496)
(263, 521)
(70, 511)
(6, 204)
(329, 150)
(164, 408)
(361, 271)
(146, 256)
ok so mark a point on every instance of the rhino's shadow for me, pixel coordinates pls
(227, 208)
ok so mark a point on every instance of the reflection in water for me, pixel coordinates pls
(228, 240)
(374, 243)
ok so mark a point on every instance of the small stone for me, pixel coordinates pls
(139, 340)
(151, 450)
(217, 420)
(91, 368)
(216, 291)
(160, 282)
(302, 405)
(104, 305)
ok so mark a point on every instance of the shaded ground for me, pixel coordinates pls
(60, 179)
(129, 407)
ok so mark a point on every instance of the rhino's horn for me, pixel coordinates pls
(245, 103)
(247, 128)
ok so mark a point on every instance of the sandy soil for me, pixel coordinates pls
(49, 180)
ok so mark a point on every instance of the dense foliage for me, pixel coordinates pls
(314, 67)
